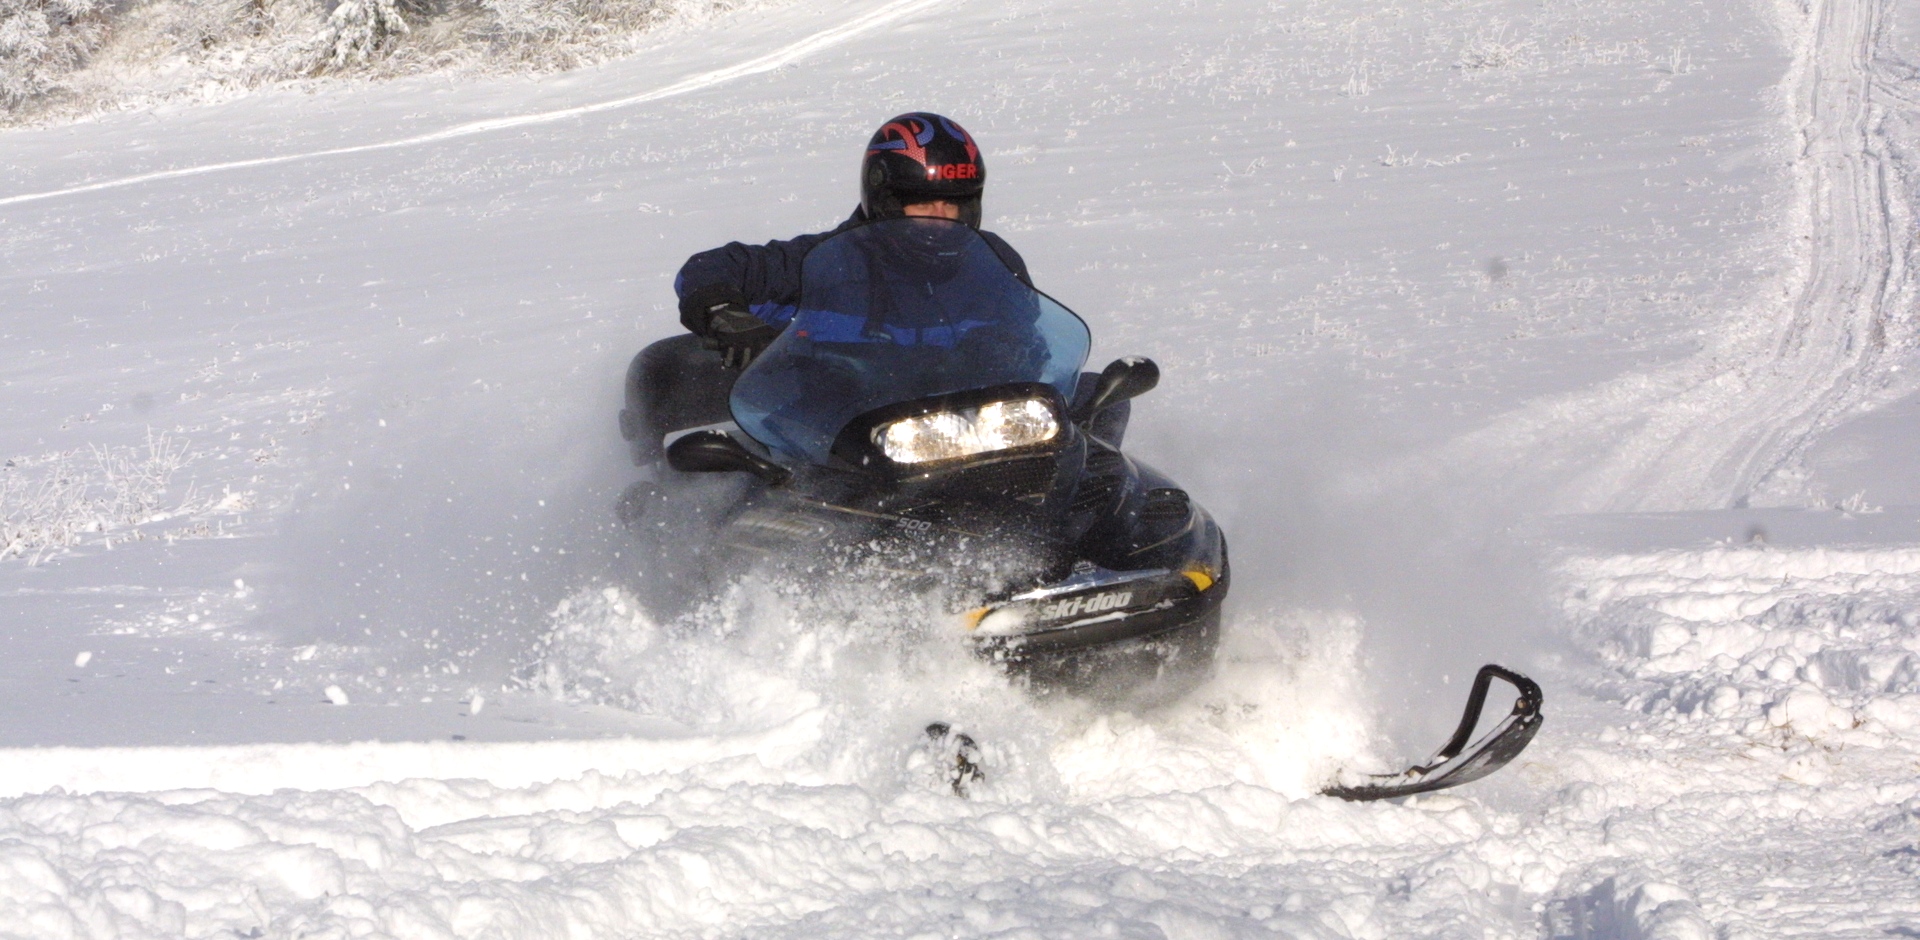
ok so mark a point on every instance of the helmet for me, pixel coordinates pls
(921, 157)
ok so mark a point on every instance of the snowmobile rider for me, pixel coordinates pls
(737, 298)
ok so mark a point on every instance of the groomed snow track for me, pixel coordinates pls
(1826, 338)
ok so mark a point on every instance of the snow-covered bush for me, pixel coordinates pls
(41, 42)
(55, 501)
(1495, 49)
(68, 57)
(358, 30)
(557, 33)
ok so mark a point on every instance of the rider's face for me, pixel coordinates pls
(938, 209)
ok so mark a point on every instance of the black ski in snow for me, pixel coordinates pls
(1458, 762)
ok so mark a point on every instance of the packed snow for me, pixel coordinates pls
(1577, 338)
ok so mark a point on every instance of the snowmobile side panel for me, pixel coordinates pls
(1458, 762)
(1163, 607)
(1141, 671)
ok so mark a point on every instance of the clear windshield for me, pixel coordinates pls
(897, 311)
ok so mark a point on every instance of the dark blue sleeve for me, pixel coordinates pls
(1018, 265)
(769, 274)
(1012, 258)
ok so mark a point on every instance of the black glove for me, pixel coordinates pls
(718, 314)
(738, 335)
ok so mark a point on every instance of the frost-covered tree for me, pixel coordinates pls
(358, 30)
(78, 55)
(41, 41)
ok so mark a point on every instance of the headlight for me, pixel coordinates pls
(945, 435)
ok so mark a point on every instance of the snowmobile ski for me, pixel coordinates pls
(960, 754)
(1457, 762)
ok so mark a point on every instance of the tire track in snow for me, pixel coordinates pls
(786, 55)
(1731, 425)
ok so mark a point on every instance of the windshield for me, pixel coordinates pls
(896, 311)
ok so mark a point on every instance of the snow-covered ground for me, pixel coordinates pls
(1574, 337)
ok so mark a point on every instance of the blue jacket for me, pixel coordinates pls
(769, 274)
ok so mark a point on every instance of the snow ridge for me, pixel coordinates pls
(1729, 425)
(1819, 642)
(1773, 701)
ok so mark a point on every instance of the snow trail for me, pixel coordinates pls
(793, 52)
(1729, 425)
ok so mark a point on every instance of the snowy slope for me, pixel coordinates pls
(1732, 424)
(315, 626)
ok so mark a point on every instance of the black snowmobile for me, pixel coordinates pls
(924, 417)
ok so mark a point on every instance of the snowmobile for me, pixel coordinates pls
(924, 418)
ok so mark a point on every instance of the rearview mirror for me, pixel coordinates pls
(718, 452)
(1124, 378)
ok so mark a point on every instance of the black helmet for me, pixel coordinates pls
(921, 157)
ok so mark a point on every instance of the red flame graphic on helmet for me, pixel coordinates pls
(909, 137)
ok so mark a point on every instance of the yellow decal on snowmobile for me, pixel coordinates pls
(1199, 575)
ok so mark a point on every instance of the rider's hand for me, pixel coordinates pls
(718, 314)
(738, 335)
